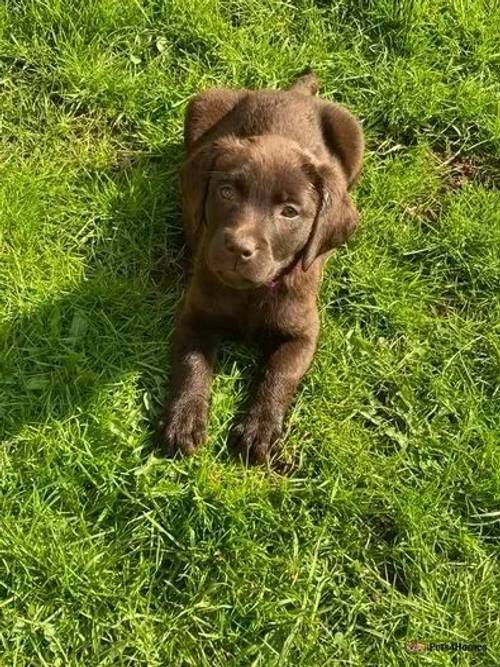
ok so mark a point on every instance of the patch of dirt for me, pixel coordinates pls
(458, 170)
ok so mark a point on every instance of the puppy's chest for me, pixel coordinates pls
(264, 314)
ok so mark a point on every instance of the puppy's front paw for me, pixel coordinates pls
(256, 438)
(183, 428)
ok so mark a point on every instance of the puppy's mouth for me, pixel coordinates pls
(237, 281)
(274, 279)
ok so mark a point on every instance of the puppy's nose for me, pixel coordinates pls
(243, 248)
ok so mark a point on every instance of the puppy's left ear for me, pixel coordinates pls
(343, 138)
(337, 218)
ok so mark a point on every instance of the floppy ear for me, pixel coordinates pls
(343, 137)
(336, 218)
(205, 110)
(203, 115)
(195, 181)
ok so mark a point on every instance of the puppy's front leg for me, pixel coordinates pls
(183, 424)
(255, 436)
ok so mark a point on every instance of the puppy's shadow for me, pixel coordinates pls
(119, 318)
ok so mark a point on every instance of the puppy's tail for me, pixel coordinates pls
(307, 83)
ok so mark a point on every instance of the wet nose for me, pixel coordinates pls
(242, 248)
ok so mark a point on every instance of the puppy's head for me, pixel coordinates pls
(265, 203)
(260, 207)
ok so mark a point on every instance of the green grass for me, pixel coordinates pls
(388, 530)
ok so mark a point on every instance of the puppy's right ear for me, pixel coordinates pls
(206, 110)
(195, 176)
(203, 114)
(194, 179)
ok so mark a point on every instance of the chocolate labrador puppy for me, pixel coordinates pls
(265, 198)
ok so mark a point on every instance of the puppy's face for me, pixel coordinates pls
(260, 207)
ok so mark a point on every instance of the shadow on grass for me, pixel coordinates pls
(117, 321)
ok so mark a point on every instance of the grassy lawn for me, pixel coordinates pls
(388, 530)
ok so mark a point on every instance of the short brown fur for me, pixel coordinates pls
(265, 189)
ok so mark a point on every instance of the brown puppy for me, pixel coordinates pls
(265, 198)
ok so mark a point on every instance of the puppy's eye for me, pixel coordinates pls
(289, 212)
(227, 192)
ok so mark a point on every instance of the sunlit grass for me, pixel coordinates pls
(388, 529)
